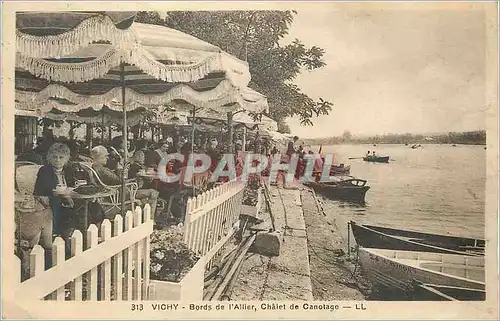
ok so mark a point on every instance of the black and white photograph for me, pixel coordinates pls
(267, 160)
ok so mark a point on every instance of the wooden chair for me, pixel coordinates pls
(25, 177)
(24, 163)
(197, 184)
(24, 180)
(113, 201)
(85, 159)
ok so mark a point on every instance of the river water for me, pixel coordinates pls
(435, 189)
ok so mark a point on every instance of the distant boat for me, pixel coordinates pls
(436, 292)
(454, 145)
(341, 188)
(374, 144)
(376, 159)
(398, 270)
(371, 236)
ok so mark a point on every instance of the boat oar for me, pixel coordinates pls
(356, 157)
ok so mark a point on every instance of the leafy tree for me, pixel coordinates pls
(254, 36)
(346, 136)
(283, 127)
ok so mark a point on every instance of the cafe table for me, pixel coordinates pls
(86, 199)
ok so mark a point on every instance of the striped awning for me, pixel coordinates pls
(43, 23)
(90, 45)
(164, 66)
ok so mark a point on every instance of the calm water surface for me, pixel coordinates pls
(437, 189)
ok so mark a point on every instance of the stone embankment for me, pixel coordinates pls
(313, 262)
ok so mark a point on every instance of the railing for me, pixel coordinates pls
(211, 217)
(114, 266)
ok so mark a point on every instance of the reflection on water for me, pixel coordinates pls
(437, 189)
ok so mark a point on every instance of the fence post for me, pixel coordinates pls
(211, 225)
(76, 249)
(146, 263)
(198, 228)
(128, 259)
(91, 286)
(118, 262)
(105, 288)
(58, 258)
(187, 222)
(137, 293)
(204, 225)
(219, 215)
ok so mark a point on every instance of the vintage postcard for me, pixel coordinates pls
(250, 160)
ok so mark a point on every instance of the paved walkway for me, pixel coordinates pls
(286, 277)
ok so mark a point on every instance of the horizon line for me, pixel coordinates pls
(386, 134)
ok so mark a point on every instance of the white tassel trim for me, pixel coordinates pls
(225, 93)
(132, 120)
(96, 28)
(97, 68)
(222, 94)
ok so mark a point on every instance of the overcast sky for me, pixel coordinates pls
(395, 71)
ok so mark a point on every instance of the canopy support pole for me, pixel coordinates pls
(103, 128)
(89, 135)
(125, 137)
(230, 127)
(192, 145)
(244, 143)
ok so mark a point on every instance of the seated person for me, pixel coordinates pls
(100, 157)
(154, 157)
(117, 152)
(57, 173)
(112, 178)
(144, 194)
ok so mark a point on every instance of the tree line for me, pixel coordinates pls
(466, 138)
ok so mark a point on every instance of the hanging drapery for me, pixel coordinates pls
(92, 28)
(224, 93)
(189, 58)
(107, 118)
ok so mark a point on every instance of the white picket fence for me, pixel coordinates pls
(211, 217)
(118, 254)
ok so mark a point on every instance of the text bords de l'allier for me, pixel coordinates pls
(253, 164)
(331, 307)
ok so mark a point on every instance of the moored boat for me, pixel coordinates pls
(341, 188)
(340, 169)
(376, 159)
(438, 292)
(398, 270)
(371, 236)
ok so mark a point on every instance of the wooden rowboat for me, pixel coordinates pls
(434, 292)
(398, 270)
(340, 169)
(371, 236)
(376, 159)
(341, 188)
